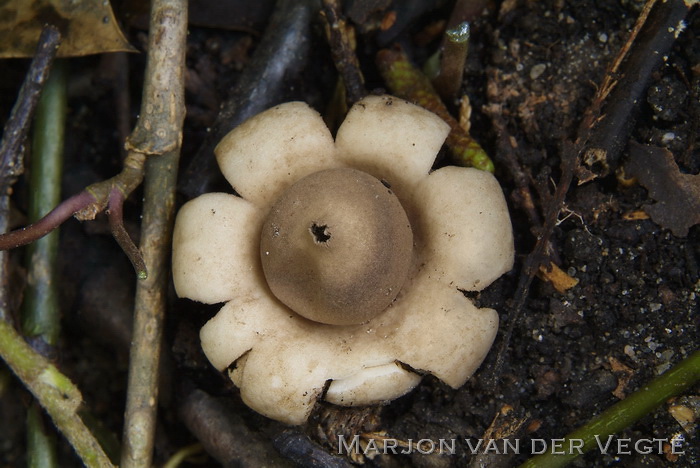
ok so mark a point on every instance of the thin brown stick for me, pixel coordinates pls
(116, 224)
(159, 132)
(224, 434)
(625, 85)
(279, 60)
(14, 136)
(538, 254)
(17, 127)
(85, 206)
(610, 79)
(454, 56)
(343, 52)
(48, 223)
(570, 164)
(506, 145)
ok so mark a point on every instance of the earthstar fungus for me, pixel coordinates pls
(336, 247)
(343, 262)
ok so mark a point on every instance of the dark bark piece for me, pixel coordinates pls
(13, 139)
(303, 451)
(224, 435)
(611, 132)
(280, 56)
(677, 195)
(343, 53)
(17, 126)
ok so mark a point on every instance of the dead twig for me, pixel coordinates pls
(48, 223)
(570, 164)
(625, 83)
(116, 224)
(85, 206)
(506, 146)
(17, 127)
(279, 58)
(14, 136)
(538, 255)
(343, 52)
(224, 435)
(302, 450)
(158, 133)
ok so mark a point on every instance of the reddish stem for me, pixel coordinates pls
(48, 223)
(115, 213)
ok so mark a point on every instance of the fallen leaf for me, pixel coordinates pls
(87, 27)
(624, 375)
(670, 453)
(686, 411)
(558, 278)
(677, 195)
(507, 425)
(635, 215)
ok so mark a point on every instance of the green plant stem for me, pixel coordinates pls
(54, 391)
(408, 82)
(681, 377)
(41, 441)
(158, 133)
(183, 454)
(40, 314)
(13, 139)
(454, 56)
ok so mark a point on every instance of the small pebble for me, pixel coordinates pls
(537, 70)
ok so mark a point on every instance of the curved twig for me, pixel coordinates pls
(85, 206)
(115, 214)
(48, 223)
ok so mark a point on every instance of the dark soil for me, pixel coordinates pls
(533, 69)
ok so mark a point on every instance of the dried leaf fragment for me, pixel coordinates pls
(677, 195)
(88, 27)
(505, 424)
(508, 424)
(636, 215)
(558, 278)
(686, 411)
(623, 373)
